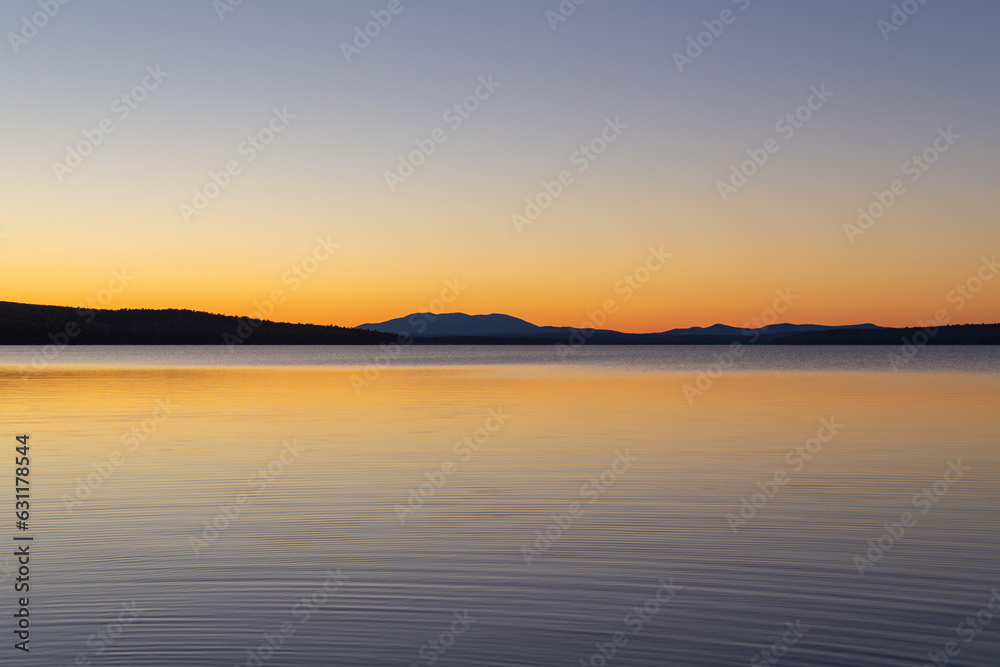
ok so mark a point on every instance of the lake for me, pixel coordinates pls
(507, 505)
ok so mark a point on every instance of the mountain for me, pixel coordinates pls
(25, 324)
(774, 329)
(497, 328)
(714, 330)
(455, 324)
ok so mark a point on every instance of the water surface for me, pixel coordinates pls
(320, 451)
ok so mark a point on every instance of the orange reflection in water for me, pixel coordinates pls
(223, 416)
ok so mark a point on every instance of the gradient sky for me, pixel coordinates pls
(656, 185)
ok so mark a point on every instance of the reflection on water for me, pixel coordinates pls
(500, 506)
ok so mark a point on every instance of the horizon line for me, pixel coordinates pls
(435, 315)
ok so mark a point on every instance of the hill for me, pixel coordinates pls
(25, 324)
(455, 324)
(958, 334)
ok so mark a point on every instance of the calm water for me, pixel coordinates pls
(312, 473)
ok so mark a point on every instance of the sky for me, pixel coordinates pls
(657, 164)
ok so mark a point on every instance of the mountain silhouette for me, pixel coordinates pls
(455, 324)
(26, 324)
(499, 326)
(773, 329)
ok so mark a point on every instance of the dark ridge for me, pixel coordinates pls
(956, 334)
(25, 324)
(581, 338)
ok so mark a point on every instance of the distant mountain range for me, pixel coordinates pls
(498, 329)
(452, 327)
(26, 324)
